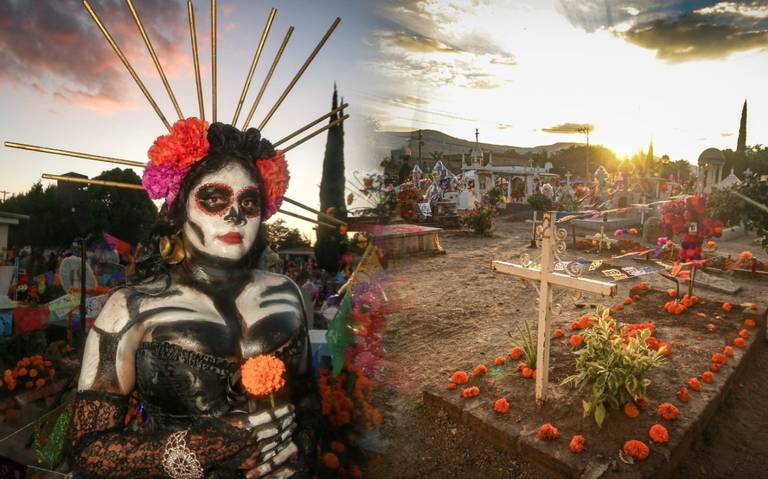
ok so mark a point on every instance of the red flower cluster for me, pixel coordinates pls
(548, 432)
(636, 449)
(577, 444)
(480, 370)
(185, 145)
(516, 353)
(676, 217)
(470, 392)
(501, 406)
(459, 377)
(274, 174)
(668, 411)
(658, 434)
(584, 322)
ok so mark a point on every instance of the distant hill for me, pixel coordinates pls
(448, 145)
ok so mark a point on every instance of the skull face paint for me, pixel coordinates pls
(224, 213)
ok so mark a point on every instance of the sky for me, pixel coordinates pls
(525, 72)
(529, 72)
(62, 86)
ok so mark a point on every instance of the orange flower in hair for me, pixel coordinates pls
(548, 432)
(659, 434)
(636, 449)
(480, 369)
(668, 411)
(577, 444)
(263, 375)
(459, 377)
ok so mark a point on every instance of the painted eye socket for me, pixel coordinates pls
(250, 201)
(214, 198)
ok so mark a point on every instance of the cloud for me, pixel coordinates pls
(569, 128)
(411, 42)
(409, 100)
(500, 60)
(752, 10)
(54, 48)
(690, 38)
(727, 134)
(504, 126)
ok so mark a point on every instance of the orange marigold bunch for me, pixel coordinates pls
(501, 406)
(263, 375)
(694, 384)
(575, 340)
(516, 353)
(744, 333)
(658, 434)
(480, 369)
(668, 411)
(682, 394)
(577, 444)
(528, 372)
(728, 351)
(548, 432)
(739, 342)
(707, 377)
(750, 323)
(337, 406)
(720, 358)
(500, 360)
(636, 449)
(470, 392)
(727, 307)
(459, 377)
(714, 367)
(584, 322)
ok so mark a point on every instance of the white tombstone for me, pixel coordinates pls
(69, 274)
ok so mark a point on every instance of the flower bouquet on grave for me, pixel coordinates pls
(262, 376)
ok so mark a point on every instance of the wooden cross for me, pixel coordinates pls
(548, 279)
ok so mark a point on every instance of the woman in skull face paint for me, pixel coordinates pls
(179, 335)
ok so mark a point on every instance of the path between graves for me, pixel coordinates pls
(453, 309)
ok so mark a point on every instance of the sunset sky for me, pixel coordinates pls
(676, 72)
(522, 71)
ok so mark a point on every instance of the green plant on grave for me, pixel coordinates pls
(612, 366)
(525, 339)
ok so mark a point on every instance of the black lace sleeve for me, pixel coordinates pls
(102, 448)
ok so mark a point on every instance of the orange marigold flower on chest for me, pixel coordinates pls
(668, 411)
(480, 369)
(516, 353)
(631, 410)
(728, 351)
(459, 377)
(636, 449)
(470, 392)
(548, 432)
(739, 342)
(499, 360)
(694, 384)
(577, 444)
(501, 406)
(682, 394)
(750, 323)
(707, 377)
(659, 434)
(263, 375)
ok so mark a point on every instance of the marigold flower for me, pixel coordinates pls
(521, 365)
(750, 323)
(694, 384)
(575, 340)
(641, 402)
(635, 297)
(659, 434)
(21, 372)
(727, 307)
(501, 406)
(25, 362)
(668, 411)
(739, 342)
(707, 377)
(672, 293)
(337, 446)
(33, 373)
(631, 410)
(548, 432)
(527, 372)
(459, 377)
(728, 351)
(263, 375)
(577, 444)
(720, 358)
(29, 384)
(558, 333)
(451, 386)
(330, 460)
(744, 333)
(499, 360)
(516, 353)
(714, 367)
(636, 449)
(682, 394)
(40, 382)
(470, 392)
(746, 255)
(618, 307)
(627, 300)
(480, 369)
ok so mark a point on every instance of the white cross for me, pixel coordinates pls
(568, 176)
(547, 279)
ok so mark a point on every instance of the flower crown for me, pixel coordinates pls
(172, 156)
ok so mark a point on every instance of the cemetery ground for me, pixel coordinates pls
(454, 312)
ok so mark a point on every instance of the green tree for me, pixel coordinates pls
(330, 242)
(573, 158)
(282, 237)
(741, 144)
(127, 214)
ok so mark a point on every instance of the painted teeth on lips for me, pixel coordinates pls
(231, 238)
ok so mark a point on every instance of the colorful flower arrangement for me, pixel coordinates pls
(171, 156)
(677, 218)
(30, 371)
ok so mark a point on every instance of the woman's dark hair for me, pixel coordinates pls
(227, 145)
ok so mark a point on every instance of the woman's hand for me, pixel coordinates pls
(269, 444)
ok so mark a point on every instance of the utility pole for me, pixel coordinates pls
(585, 130)
(421, 142)
(5, 193)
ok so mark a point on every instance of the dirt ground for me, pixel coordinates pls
(454, 310)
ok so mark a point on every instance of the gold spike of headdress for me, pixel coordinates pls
(329, 220)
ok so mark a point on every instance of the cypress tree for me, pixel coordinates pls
(741, 145)
(330, 243)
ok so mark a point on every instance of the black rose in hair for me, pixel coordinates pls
(226, 139)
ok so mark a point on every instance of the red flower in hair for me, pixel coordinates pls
(184, 146)
(274, 173)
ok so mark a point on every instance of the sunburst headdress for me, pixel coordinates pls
(171, 156)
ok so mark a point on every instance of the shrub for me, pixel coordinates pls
(612, 365)
(539, 202)
(480, 220)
